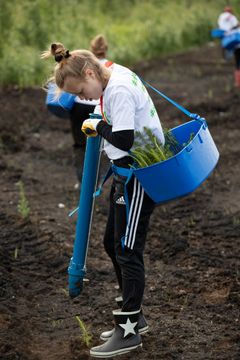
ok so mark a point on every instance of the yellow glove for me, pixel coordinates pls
(89, 127)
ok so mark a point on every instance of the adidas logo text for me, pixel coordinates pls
(121, 201)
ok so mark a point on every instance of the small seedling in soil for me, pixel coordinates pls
(236, 220)
(16, 253)
(86, 337)
(191, 222)
(23, 205)
(65, 292)
(57, 323)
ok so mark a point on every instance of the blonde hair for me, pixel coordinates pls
(73, 63)
(99, 46)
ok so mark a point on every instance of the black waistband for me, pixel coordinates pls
(124, 162)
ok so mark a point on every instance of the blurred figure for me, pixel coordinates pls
(99, 47)
(230, 24)
(227, 21)
(82, 109)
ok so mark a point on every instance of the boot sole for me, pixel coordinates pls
(113, 353)
(140, 331)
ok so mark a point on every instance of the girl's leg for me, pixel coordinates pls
(237, 58)
(237, 71)
(109, 239)
(130, 239)
(78, 114)
(129, 247)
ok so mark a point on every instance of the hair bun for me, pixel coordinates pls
(59, 52)
(57, 48)
(99, 45)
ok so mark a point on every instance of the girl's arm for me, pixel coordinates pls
(123, 139)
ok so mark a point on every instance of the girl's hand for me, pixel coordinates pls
(89, 127)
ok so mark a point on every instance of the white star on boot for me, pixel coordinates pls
(128, 327)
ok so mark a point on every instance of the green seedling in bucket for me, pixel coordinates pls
(190, 139)
(148, 150)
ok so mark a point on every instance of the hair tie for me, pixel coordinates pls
(67, 55)
(59, 57)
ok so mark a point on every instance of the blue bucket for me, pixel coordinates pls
(184, 172)
(217, 33)
(231, 40)
(60, 106)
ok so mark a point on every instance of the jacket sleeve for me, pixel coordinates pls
(122, 139)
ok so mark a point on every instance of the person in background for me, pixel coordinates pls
(228, 22)
(99, 47)
(82, 108)
(126, 108)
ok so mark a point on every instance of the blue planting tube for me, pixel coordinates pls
(77, 265)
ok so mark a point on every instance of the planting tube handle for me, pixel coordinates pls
(77, 265)
(90, 131)
(181, 108)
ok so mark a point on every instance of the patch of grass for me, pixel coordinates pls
(151, 28)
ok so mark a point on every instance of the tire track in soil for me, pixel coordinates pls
(30, 271)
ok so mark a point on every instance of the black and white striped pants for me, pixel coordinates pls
(124, 241)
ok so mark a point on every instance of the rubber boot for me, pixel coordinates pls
(142, 323)
(119, 301)
(237, 78)
(125, 337)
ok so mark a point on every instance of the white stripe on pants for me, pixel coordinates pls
(134, 214)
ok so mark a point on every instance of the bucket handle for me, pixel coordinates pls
(181, 108)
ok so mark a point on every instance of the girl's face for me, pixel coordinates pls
(88, 89)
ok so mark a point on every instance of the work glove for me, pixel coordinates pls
(89, 127)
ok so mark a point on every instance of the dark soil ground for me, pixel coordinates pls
(192, 297)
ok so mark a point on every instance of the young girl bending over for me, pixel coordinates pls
(126, 108)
